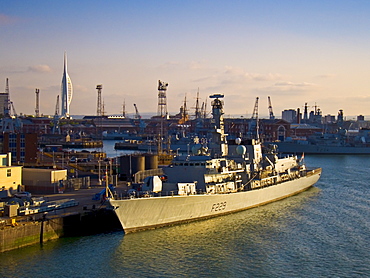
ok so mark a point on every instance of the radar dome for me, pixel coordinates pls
(238, 141)
(241, 149)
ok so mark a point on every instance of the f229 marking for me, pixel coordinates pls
(219, 206)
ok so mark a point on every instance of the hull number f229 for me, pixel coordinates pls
(219, 206)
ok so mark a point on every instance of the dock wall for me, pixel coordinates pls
(78, 224)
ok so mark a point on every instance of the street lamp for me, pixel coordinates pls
(99, 181)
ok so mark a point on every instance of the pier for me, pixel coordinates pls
(86, 218)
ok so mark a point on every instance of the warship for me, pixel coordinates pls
(300, 147)
(220, 178)
(342, 142)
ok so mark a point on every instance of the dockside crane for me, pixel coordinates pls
(138, 118)
(56, 127)
(272, 117)
(10, 122)
(137, 114)
(253, 129)
(57, 107)
(14, 114)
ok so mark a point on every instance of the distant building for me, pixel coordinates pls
(360, 118)
(329, 119)
(303, 130)
(289, 115)
(273, 130)
(3, 103)
(22, 146)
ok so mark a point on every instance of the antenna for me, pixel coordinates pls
(99, 103)
(37, 110)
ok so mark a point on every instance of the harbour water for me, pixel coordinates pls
(323, 232)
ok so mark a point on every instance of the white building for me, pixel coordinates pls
(67, 90)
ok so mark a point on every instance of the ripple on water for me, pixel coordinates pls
(323, 232)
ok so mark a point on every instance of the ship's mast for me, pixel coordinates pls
(218, 145)
(197, 108)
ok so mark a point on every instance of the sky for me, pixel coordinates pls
(296, 52)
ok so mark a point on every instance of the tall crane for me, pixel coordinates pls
(255, 109)
(14, 114)
(137, 114)
(57, 107)
(56, 128)
(137, 117)
(253, 129)
(272, 117)
(11, 123)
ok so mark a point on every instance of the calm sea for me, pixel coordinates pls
(323, 232)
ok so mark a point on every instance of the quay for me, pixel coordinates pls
(87, 218)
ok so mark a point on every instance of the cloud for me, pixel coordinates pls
(326, 76)
(288, 88)
(237, 77)
(205, 78)
(39, 68)
(198, 65)
(169, 65)
(241, 74)
(294, 85)
(6, 20)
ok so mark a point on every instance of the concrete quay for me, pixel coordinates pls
(87, 218)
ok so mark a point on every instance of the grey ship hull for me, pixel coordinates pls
(287, 147)
(147, 213)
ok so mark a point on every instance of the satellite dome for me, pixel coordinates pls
(238, 141)
(241, 150)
